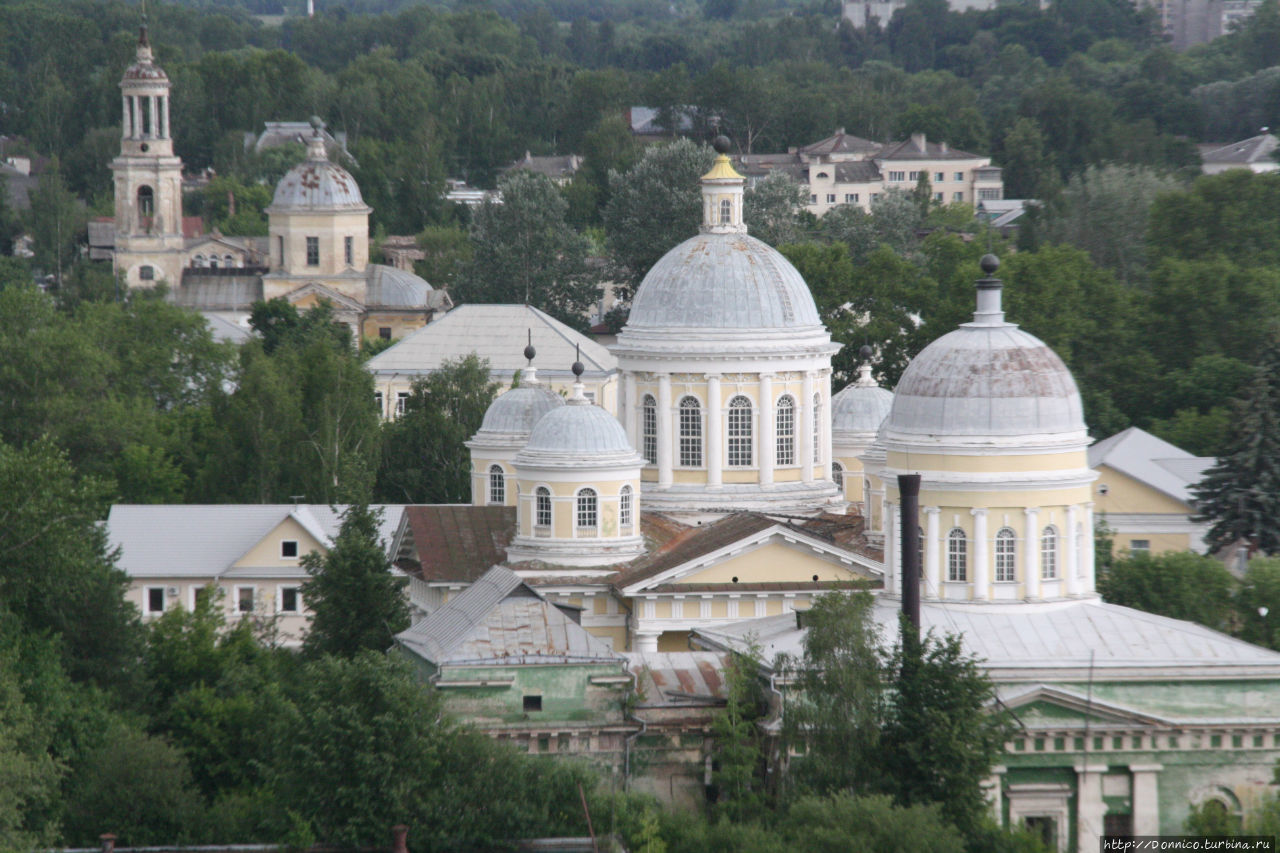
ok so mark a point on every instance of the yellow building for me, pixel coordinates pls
(1143, 493)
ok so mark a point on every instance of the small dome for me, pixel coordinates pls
(518, 410)
(986, 380)
(860, 408)
(317, 184)
(723, 281)
(578, 431)
(145, 72)
(390, 287)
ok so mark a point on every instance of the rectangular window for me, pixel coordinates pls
(937, 197)
(786, 432)
(649, 430)
(813, 198)
(960, 176)
(289, 549)
(290, 599)
(532, 703)
(402, 400)
(850, 198)
(875, 196)
(1139, 546)
(147, 273)
(155, 599)
(280, 249)
(349, 249)
(377, 401)
(831, 198)
(895, 177)
(989, 195)
(690, 433)
(384, 332)
(939, 177)
(313, 251)
(244, 599)
(957, 196)
(740, 439)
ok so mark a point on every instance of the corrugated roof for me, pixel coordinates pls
(840, 143)
(200, 540)
(679, 679)
(499, 618)
(1151, 460)
(922, 149)
(497, 333)
(394, 288)
(211, 292)
(458, 543)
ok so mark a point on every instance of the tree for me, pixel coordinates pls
(1240, 494)
(774, 209)
(1029, 168)
(424, 455)
(525, 252)
(356, 603)
(738, 755)
(1258, 603)
(57, 223)
(654, 206)
(1181, 585)
(29, 775)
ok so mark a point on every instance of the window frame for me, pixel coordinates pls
(1049, 539)
(837, 476)
(297, 599)
(542, 509)
(587, 510)
(313, 251)
(1006, 554)
(284, 549)
(147, 592)
(649, 429)
(349, 249)
(740, 432)
(238, 601)
(784, 431)
(497, 486)
(690, 448)
(957, 556)
(626, 511)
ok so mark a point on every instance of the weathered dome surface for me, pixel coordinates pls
(320, 185)
(145, 70)
(986, 380)
(390, 287)
(518, 410)
(860, 408)
(723, 281)
(577, 431)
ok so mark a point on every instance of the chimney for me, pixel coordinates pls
(399, 833)
(909, 499)
(108, 842)
(919, 141)
(802, 614)
(942, 146)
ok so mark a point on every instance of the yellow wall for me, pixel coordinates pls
(266, 553)
(330, 229)
(400, 324)
(985, 464)
(615, 633)
(775, 563)
(1161, 543)
(1125, 494)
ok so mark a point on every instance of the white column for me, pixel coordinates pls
(1146, 800)
(715, 431)
(1088, 583)
(991, 789)
(932, 551)
(165, 113)
(890, 551)
(665, 443)
(768, 450)
(1031, 553)
(135, 117)
(153, 115)
(1089, 805)
(808, 439)
(1072, 569)
(125, 120)
(981, 571)
(825, 459)
(628, 413)
(647, 641)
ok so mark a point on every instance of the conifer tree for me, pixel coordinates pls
(1240, 494)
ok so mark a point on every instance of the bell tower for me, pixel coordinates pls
(148, 178)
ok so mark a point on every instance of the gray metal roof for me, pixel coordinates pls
(497, 333)
(501, 619)
(224, 330)
(217, 292)
(395, 288)
(861, 406)
(580, 431)
(723, 281)
(1154, 461)
(182, 540)
(986, 380)
(1039, 636)
(317, 184)
(516, 411)
(1252, 150)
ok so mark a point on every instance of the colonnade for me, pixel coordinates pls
(145, 117)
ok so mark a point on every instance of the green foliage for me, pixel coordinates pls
(1181, 585)
(250, 202)
(739, 754)
(56, 222)
(774, 209)
(525, 253)
(356, 603)
(424, 455)
(1258, 603)
(29, 775)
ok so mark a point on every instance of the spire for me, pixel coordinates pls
(722, 194)
(989, 312)
(315, 145)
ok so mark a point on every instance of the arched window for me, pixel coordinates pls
(198, 261)
(228, 261)
(817, 428)
(147, 273)
(542, 507)
(957, 555)
(837, 474)
(649, 428)
(786, 431)
(497, 485)
(1049, 553)
(726, 211)
(1006, 555)
(146, 201)
(690, 433)
(740, 439)
(588, 509)
(213, 261)
(624, 507)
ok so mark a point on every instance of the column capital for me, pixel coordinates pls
(1145, 768)
(1031, 510)
(714, 377)
(768, 375)
(931, 510)
(1090, 768)
(978, 512)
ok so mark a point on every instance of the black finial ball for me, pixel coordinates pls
(989, 264)
(530, 352)
(317, 123)
(866, 352)
(577, 369)
(722, 144)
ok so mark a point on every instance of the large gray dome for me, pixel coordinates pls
(986, 380)
(518, 410)
(578, 434)
(317, 184)
(860, 408)
(723, 281)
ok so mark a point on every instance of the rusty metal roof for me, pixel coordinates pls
(501, 619)
(456, 542)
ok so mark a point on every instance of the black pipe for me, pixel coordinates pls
(909, 495)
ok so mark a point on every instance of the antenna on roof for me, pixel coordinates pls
(296, 499)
